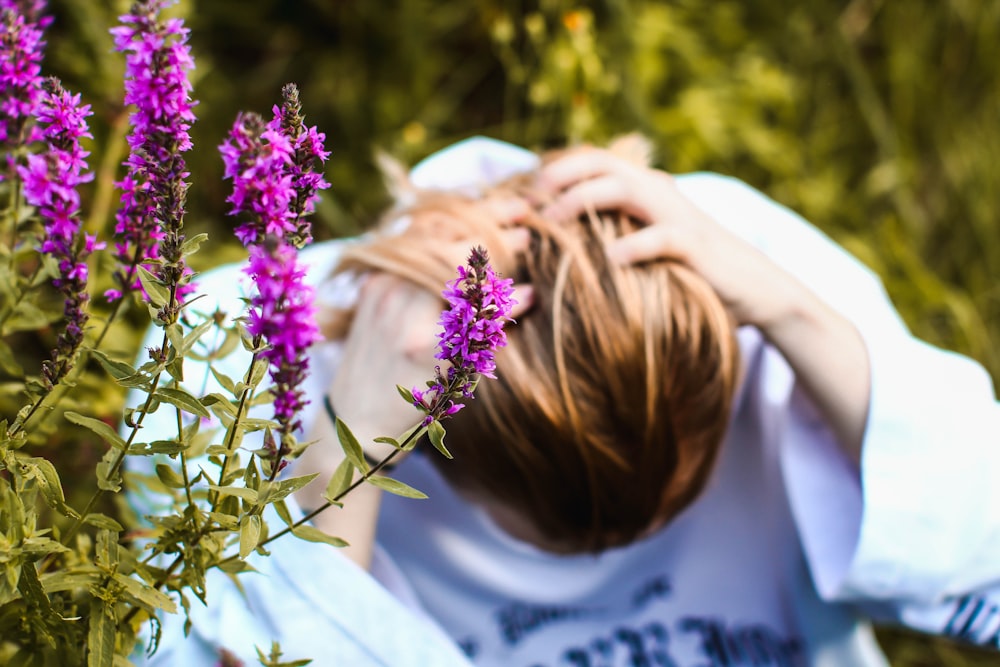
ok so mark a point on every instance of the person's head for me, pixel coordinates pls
(613, 394)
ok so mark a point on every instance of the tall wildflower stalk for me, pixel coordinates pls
(77, 590)
(472, 329)
(51, 180)
(275, 186)
(21, 52)
(154, 190)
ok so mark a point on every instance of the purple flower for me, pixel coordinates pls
(472, 329)
(50, 181)
(307, 152)
(259, 159)
(274, 189)
(282, 314)
(32, 10)
(21, 51)
(154, 191)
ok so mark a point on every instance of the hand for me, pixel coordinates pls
(394, 335)
(824, 348)
(391, 341)
(755, 290)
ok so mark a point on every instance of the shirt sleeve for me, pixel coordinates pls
(315, 603)
(915, 533)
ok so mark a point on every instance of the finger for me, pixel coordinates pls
(580, 165)
(603, 192)
(654, 242)
(524, 299)
(515, 240)
(507, 210)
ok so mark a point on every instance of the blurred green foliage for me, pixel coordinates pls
(877, 120)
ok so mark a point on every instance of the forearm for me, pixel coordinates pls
(356, 521)
(829, 359)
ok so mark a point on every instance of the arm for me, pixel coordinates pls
(822, 346)
(918, 523)
(391, 342)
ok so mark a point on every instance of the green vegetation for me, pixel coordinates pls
(877, 120)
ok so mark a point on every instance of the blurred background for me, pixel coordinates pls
(879, 121)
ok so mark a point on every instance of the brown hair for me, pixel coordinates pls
(613, 394)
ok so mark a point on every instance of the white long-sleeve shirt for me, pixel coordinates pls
(783, 559)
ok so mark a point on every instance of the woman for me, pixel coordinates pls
(711, 442)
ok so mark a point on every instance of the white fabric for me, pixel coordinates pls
(469, 166)
(780, 561)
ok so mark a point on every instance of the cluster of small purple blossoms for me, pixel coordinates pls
(154, 191)
(21, 52)
(274, 188)
(472, 328)
(307, 153)
(258, 159)
(282, 312)
(50, 181)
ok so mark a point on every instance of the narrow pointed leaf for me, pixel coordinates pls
(435, 433)
(396, 487)
(351, 446)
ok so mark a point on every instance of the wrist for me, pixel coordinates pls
(372, 457)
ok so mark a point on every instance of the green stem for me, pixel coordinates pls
(231, 434)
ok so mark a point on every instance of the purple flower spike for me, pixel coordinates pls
(307, 152)
(282, 314)
(472, 329)
(258, 159)
(154, 190)
(21, 51)
(274, 188)
(50, 185)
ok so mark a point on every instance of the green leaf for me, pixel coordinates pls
(108, 552)
(158, 293)
(249, 534)
(158, 447)
(246, 494)
(435, 432)
(145, 596)
(194, 336)
(217, 402)
(106, 481)
(405, 393)
(182, 399)
(235, 566)
(8, 363)
(227, 521)
(28, 317)
(387, 440)
(191, 245)
(169, 478)
(101, 637)
(313, 534)
(396, 487)
(108, 434)
(48, 479)
(281, 507)
(352, 448)
(103, 521)
(409, 438)
(119, 370)
(227, 382)
(341, 479)
(257, 371)
(289, 486)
